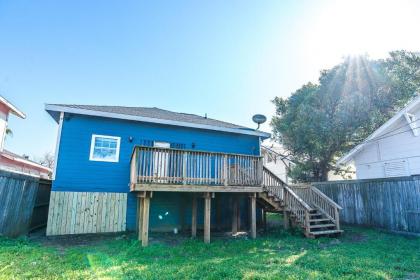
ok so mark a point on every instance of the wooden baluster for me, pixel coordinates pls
(184, 168)
(225, 170)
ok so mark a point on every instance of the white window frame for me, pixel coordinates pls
(92, 148)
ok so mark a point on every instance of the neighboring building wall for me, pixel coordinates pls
(4, 113)
(76, 173)
(14, 166)
(395, 153)
(274, 159)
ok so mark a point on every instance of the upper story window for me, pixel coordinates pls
(105, 148)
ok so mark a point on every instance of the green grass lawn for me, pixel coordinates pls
(358, 254)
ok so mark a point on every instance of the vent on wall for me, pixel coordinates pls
(396, 169)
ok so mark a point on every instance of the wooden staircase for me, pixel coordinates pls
(305, 206)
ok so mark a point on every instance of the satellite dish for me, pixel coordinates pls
(259, 119)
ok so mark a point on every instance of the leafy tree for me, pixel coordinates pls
(403, 71)
(319, 123)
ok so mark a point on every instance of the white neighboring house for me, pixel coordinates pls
(393, 150)
(275, 160)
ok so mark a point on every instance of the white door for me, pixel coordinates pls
(161, 162)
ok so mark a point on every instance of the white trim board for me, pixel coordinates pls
(58, 108)
(57, 144)
(12, 108)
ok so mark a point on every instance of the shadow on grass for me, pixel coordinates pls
(358, 254)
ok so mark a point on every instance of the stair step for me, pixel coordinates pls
(319, 220)
(317, 216)
(322, 226)
(325, 232)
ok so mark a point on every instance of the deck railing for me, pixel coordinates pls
(152, 165)
(273, 184)
(292, 201)
(314, 197)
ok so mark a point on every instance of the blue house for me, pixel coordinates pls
(148, 169)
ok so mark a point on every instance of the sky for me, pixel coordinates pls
(226, 59)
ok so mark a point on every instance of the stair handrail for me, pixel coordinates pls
(273, 184)
(330, 201)
(326, 205)
(298, 207)
(317, 199)
(292, 202)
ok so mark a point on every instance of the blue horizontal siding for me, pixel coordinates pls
(75, 172)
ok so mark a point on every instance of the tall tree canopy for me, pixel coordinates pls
(320, 122)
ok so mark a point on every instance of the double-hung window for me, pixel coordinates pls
(105, 148)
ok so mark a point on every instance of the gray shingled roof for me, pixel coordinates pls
(153, 112)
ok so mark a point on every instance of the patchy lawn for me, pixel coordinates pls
(358, 254)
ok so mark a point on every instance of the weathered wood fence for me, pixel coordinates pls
(23, 203)
(389, 203)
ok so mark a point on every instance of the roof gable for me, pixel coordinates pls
(13, 109)
(152, 115)
(381, 130)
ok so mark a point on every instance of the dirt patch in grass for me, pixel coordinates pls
(63, 242)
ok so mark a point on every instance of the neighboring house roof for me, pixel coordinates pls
(12, 107)
(152, 115)
(18, 158)
(350, 155)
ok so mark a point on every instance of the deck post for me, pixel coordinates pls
(218, 213)
(207, 212)
(235, 215)
(307, 224)
(145, 220)
(238, 216)
(139, 216)
(286, 221)
(254, 216)
(337, 218)
(264, 216)
(194, 217)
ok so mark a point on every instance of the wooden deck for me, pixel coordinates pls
(174, 170)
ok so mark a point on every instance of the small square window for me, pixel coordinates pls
(105, 148)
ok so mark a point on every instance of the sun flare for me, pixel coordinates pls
(362, 27)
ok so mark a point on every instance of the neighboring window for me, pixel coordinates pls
(105, 148)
